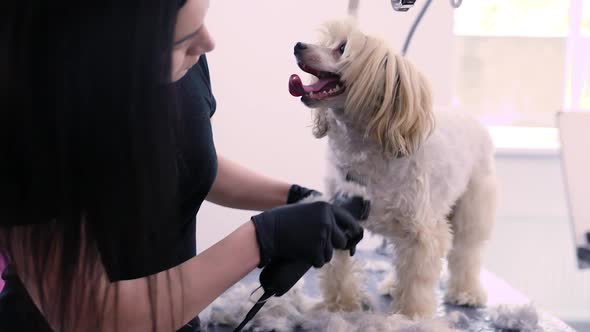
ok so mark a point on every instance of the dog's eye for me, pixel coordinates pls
(342, 48)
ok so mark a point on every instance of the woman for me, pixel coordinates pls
(107, 155)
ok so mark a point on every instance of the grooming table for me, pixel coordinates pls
(499, 293)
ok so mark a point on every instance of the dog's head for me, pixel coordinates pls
(367, 84)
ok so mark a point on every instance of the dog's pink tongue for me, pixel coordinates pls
(295, 86)
(297, 89)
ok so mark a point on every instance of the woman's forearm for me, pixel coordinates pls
(194, 284)
(237, 187)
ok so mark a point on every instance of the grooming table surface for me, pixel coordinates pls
(499, 292)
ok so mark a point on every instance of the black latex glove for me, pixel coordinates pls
(279, 276)
(297, 193)
(305, 232)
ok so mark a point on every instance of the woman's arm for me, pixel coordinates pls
(203, 277)
(239, 188)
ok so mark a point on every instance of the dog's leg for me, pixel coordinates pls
(418, 263)
(472, 223)
(340, 285)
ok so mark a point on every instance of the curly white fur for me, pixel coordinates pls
(430, 176)
(295, 309)
(522, 318)
(367, 322)
(282, 314)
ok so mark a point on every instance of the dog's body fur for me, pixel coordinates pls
(413, 199)
(430, 177)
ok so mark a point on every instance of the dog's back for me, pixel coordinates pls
(458, 149)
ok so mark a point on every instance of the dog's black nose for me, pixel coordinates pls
(299, 47)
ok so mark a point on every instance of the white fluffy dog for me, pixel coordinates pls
(430, 176)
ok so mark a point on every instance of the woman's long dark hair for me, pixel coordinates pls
(87, 141)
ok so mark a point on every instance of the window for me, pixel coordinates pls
(518, 62)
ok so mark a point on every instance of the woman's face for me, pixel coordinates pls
(191, 37)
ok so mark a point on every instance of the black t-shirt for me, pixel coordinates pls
(197, 162)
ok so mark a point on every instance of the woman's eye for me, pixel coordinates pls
(341, 48)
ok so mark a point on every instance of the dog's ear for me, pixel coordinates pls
(320, 123)
(401, 118)
(405, 117)
(389, 97)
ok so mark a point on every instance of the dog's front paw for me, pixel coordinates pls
(346, 302)
(348, 305)
(473, 297)
(414, 311)
(414, 307)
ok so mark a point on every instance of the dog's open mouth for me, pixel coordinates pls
(328, 84)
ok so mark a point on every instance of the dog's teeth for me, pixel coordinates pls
(311, 94)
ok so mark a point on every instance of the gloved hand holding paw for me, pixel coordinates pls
(305, 232)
